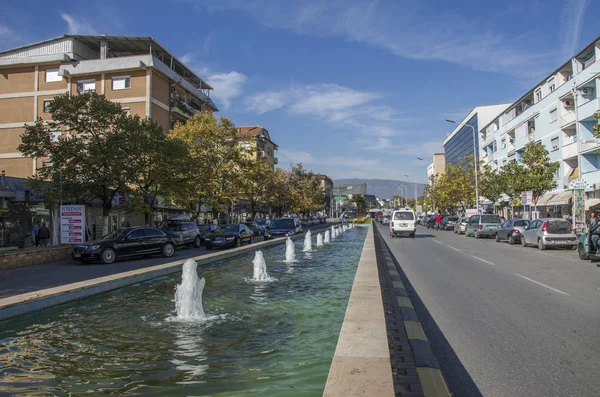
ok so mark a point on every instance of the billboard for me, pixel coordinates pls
(72, 224)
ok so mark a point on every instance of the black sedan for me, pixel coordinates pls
(229, 236)
(206, 229)
(124, 243)
(283, 227)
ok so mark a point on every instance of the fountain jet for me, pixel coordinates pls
(326, 236)
(320, 240)
(188, 294)
(307, 242)
(260, 268)
(290, 251)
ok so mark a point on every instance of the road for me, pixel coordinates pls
(36, 277)
(505, 320)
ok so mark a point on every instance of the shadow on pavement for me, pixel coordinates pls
(456, 375)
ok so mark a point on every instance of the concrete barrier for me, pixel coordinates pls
(33, 301)
(33, 256)
(361, 364)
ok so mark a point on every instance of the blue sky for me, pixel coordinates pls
(350, 88)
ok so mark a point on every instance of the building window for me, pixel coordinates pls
(494, 147)
(86, 86)
(52, 76)
(554, 144)
(503, 143)
(121, 82)
(54, 135)
(47, 105)
(538, 95)
(553, 115)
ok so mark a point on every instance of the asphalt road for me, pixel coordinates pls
(505, 320)
(36, 277)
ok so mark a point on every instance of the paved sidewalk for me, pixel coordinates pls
(25, 279)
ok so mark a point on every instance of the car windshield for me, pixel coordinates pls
(260, 222)
(282, 224)
(404, 216)
(115, 234)
(521, 222)
(174, 227)
(558, 226)
(205, 228)
(453, 218)
(490, 219)
(231, 229)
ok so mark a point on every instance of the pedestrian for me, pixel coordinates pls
(593, 219)
(36, 233)
(438, 221)
(44, 234)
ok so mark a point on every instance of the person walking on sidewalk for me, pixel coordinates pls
(44, 235)
(438, 221)
(36, 234)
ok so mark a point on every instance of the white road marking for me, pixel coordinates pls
(543, 285)
(452, 248)
(438, 241)
(483, 260)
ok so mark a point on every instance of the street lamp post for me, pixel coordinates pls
(474, 160)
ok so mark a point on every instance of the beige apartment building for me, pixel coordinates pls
(136, 72)
(265, 147)
(437, 166)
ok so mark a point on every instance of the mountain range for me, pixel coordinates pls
(385, 188)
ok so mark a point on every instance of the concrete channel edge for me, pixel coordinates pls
(18, 305)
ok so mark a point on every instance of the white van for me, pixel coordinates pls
(404, 221)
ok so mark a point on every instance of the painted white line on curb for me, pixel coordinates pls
(483, 260)
(543, 285)
(452, 248)
(438, 241)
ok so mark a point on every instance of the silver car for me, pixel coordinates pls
(512, 230)
(461, 225)
(548, 232)
(483, 225)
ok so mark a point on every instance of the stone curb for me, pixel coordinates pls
(18, 305)
(428, 368)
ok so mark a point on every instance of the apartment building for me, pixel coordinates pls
(459, 143)
(327, 186)
(136, 72)
(437, 166)
(265, 147)
(559, 113)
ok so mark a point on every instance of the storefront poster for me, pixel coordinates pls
(579, 208)
(72, 224)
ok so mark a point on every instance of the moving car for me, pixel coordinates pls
(547, 232)
(206, 229)
(188, 231)
(449, 222)
(385, 220)
(129, 242)
(283, 227)
(430, 222)
(483, 225)
(229, 236)
(512, 230)
(461, 225)
(404, 221)
(588, 244)
(259, 226)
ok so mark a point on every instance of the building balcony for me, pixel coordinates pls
(588, 145)
(588, 109)
(275, 160)
(569, 150)
(567, 118)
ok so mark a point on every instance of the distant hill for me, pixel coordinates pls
(385, 188)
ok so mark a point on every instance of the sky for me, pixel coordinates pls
(353, 88)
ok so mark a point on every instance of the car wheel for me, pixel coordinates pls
(511, 239)
(238, 242)
(108, 256)
(497, 238)
(197, 242)
(541, 245)
(168, 250)
(581, 252)
(523, 242)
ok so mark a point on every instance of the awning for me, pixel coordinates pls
(542, 201)
(560, 199)
(589, 203)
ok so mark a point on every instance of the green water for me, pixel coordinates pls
(269, 339)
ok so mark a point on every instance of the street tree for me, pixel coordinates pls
(279, 192)
(491, 184)
(361, 204)
(257, 177)
(539, 170)
(307, 192)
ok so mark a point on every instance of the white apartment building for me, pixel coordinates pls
(559, 113)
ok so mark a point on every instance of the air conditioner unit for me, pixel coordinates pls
(586, 91)
(261, 154)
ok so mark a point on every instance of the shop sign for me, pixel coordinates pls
(72, 224)
(527, 198)
(579, 208)
(36, 195)
(578, 184)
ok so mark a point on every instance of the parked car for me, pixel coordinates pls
(188, 230)
(588, 244)
(259, 226)
(229, 236)
(206, 229)
(547, 232)
(512, 230)
(403, 222)
(129, 242)
(483, 225)
(283, 227)
(461, 225)
(449, 222)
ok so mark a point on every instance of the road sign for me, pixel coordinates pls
(238, 207)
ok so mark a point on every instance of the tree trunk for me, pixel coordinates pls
(148, 218)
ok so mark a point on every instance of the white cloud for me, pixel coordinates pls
(77, 25)
(407, 29)
(187, 58)
(206, 42)
(227, 86)
(5, 32)
(571, 22)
